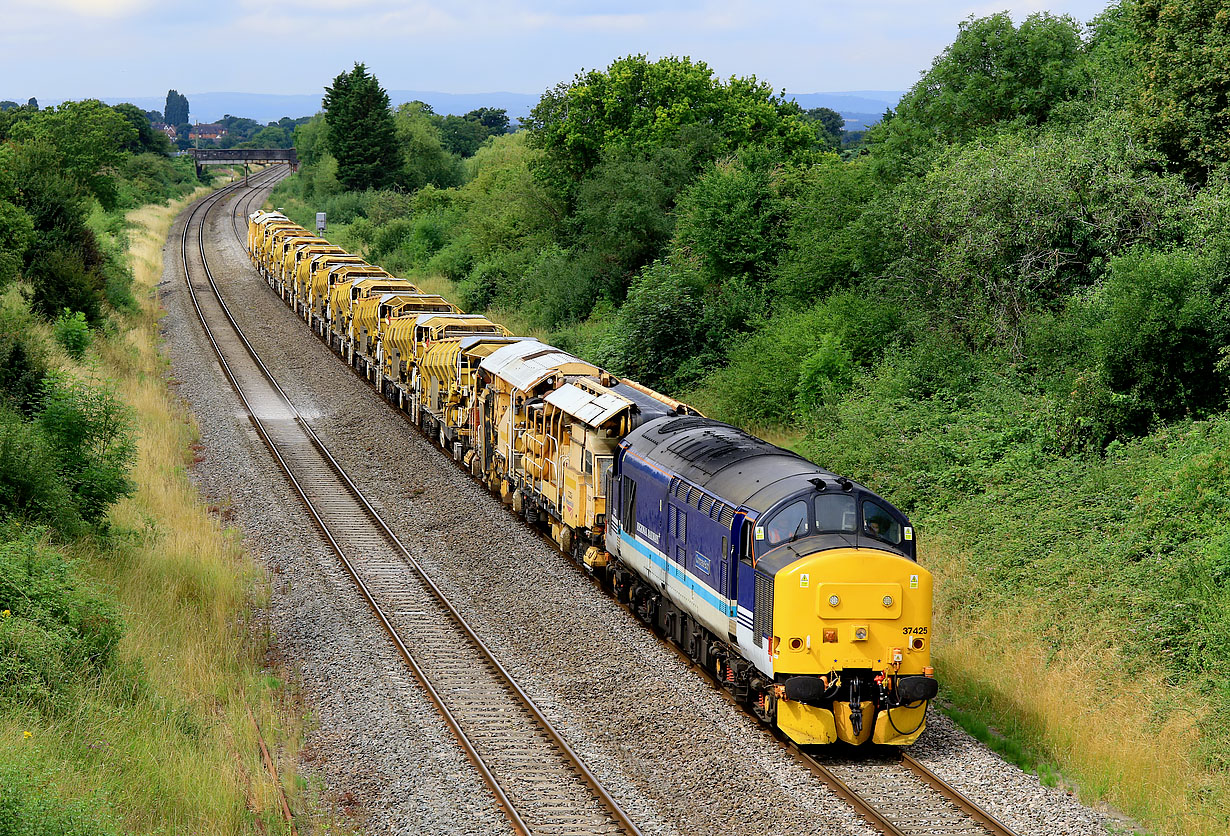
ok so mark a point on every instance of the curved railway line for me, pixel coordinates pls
(537, 780)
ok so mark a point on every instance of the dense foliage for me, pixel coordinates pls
(66, 174)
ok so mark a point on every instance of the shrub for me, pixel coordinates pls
(388, 238)
(1154, 334)
(73, 333)
(658, 326)
(88, 429)
(58, 626)
(455, 260)
(827, 371)
(344, 207)
(61, 279)
(764, 381)
(22, 355)
(30, 483)
(26, 811)
(559, 286)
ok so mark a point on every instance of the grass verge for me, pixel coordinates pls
(164, 742)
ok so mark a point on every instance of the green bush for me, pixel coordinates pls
(31, 487)
(344, 207)
(658, 326)
(825, 373)
(72, 332)
(455, 260)
(58, 627)
(791, 363)
(89, 430)
(1157, 331)
(28, 810)
(22, 355)
(61, 280)
(559, 286)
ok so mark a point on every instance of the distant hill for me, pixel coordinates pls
(861, 107)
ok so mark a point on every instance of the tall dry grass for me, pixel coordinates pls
(1127, 739)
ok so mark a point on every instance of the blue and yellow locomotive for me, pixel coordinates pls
(797, 587)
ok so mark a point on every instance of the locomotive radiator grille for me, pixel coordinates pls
(762, 615)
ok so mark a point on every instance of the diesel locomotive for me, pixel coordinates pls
(797, 588)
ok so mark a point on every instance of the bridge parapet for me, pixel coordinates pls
(241, 156)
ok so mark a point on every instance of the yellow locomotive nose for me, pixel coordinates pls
(843, 620)
(860, 617)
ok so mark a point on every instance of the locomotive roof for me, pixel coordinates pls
(724, 460)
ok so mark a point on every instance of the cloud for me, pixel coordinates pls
(93, 8)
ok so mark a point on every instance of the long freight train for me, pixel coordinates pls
(797, 588)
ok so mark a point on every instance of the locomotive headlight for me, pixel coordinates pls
(888, 600)
(860, 634)
(834, 600)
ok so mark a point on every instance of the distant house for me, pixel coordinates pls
(207, 132)
(169, 130)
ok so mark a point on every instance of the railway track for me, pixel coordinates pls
(899, 796)
(538, 781)
(896, 794)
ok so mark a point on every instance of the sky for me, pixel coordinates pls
(72, 49)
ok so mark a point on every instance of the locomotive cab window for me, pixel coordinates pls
(879, 523)
(790, 523)
(836, 514)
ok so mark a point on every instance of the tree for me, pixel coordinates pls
(90, 139)
(994, 72)
(312, 141)
(1183, 50)
(423, 157)
(636, 104)
(362, 136)
(147, 138)
(32, 103)
(176, 109)
(829, 125)
(730, 219)
(462, 136)
(494, 119)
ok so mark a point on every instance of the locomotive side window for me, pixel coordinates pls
(835, 514)
(878, 523)
(788, 524)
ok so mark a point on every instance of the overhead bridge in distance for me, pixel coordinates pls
(243, 156)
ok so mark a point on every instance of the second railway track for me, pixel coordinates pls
(536, 778)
